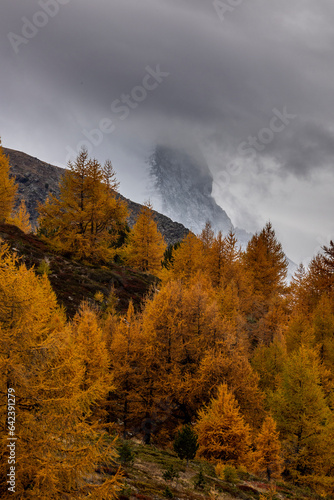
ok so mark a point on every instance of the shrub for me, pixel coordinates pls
(170, 474)
(126, 457)
(43, 268)
(168, 493)
(185, 444)
(227, 472)
(200, 481)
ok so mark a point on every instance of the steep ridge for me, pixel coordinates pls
(182, 187)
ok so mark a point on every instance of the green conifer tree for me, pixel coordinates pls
(185, 443)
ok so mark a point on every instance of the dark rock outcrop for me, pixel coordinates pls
(182, 186)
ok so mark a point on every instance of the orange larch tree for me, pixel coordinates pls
(87, 218)
(188, 258)
(304, 419)
(146, 246)
(222, 432)
(267, 263)
(134, 367)
(232, 367)
(267, 457)
(97, 378)
(58, 447)
(8, 188)
(20, 218)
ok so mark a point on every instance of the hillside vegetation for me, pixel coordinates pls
(133, 363)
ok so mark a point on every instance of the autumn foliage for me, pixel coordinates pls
(57, 385)
(87, 218)
(8, 188)
(146, 246)
(8, 191)
(267, 458)
(223, 434)
(222, 347)
(20, 218)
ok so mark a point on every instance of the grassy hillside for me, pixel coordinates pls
(144, 480)
(75, 281)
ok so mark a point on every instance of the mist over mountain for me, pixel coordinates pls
(182, 189)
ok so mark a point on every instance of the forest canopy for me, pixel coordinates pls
(222, 346)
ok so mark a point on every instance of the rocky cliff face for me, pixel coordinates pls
(182, 185)
(37, 179)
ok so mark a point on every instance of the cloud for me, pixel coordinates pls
(225, 79)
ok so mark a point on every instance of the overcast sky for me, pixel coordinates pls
(251, 81)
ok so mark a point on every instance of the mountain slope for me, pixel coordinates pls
(37, 179)
(73, 281)
(182, 188)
